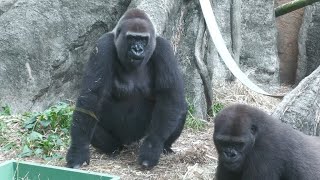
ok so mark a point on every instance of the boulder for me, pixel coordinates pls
(309, 42)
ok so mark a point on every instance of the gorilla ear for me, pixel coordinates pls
(253, 129)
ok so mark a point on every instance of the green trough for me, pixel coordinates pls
(19, 170)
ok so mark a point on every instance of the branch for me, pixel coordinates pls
(202, 67)
(292, 6)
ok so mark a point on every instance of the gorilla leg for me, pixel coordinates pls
(162, 135)
(104, 141)
(174, 136)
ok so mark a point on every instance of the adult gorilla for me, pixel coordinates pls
(254, 146)
(131, 89)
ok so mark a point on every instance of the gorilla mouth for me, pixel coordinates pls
(132, 60)
(232, 165)
(136, 60)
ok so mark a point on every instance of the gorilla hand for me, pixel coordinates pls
(77, 155)
(150, 152)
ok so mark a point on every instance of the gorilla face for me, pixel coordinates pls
(135, 42)
(136, 46)
(234, 140)
(233, 150)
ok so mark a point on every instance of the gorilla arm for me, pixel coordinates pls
(97, 77)
(170, 103)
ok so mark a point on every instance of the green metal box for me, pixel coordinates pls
(18, 170)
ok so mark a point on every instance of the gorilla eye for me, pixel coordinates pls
(253, 129)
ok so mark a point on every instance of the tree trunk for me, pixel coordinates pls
(301, 107)
(235, 31)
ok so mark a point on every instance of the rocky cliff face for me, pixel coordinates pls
(309, 42)
(44, 45)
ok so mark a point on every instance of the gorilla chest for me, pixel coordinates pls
(128, 85)
(127, 115)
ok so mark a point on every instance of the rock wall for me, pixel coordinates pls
(44, 45)
(259, 53)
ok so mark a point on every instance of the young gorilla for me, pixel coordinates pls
(254, 146)
(132, 85)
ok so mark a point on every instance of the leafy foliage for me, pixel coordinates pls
(47, 132)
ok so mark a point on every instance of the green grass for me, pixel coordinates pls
(192, 121)
(198, 124)
(217, 107)
(5, 110)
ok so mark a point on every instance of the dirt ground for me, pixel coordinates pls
(195, 156)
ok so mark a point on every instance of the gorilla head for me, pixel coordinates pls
(135, 39)
(236, 139)
(253, 145)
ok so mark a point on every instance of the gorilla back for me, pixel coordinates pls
(133, 85)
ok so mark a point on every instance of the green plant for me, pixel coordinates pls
(47, 132)
(5, 111)
(193, 122)
(216, 107)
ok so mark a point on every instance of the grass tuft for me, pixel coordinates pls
(217, 107)
(192, 121)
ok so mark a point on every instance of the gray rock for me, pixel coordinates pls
(5, 5)
(301, 107)
(309, 42)
(259, 42)
(43, 46)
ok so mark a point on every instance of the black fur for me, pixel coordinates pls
(133, 98)
(252, 145)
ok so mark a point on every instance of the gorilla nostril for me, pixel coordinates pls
(232, 155)
(137, 49)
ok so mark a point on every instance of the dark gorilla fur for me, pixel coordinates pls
(133, 85)
(252, 145)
